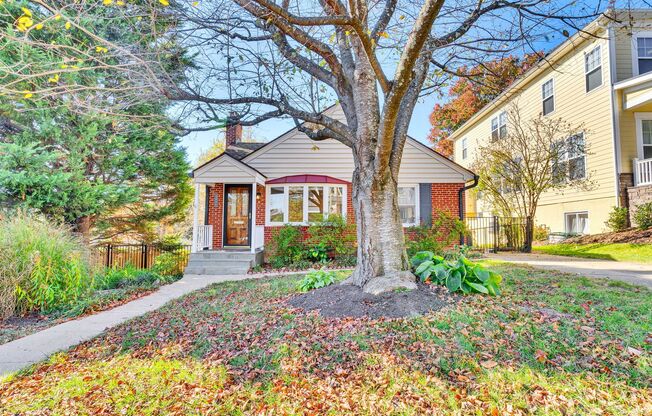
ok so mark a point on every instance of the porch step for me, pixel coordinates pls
(222, 262)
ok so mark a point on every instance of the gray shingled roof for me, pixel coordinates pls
(242, 149)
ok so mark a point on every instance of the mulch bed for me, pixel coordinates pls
(633, 235)
(339, 301)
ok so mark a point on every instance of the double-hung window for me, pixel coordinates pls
(465, 150)
(499, 126)
(593, 69)
(304, 203)
(643, 55)
(408, 205)
(548, 96)
(571, 164)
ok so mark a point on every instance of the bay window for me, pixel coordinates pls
(304, 203)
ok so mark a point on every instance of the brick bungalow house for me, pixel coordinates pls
(253, 188)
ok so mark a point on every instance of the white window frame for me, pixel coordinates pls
(286, 201)
(567, 159)
(639, 117)
(464, 148)
(500, 122)
(552, 95)
(599, 68)
(635, 37)
(417, 202)
(576, 213)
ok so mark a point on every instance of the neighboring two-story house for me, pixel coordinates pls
(600, 78)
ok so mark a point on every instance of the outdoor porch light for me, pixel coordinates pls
(258, 195)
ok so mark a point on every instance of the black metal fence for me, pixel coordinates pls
(142, 256)
(496, 233)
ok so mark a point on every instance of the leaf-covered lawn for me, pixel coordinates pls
(635, 253)
(552, 344)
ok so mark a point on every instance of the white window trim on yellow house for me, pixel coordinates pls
(635, 36)
(640, 117)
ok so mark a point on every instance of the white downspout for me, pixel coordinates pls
(252, 230)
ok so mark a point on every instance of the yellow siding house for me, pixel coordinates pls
(600, 78)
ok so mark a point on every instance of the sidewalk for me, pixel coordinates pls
(31, 349)
(638, 274)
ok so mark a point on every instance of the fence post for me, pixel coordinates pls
(109, 255)
(496, 233)
(143, 256)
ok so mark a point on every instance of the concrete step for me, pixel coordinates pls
(216, 255)
(205, 261)
(215, 270)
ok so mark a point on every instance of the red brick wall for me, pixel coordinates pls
(445, 198)
(260, 204)
(216, 214)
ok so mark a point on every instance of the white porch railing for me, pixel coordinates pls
(204, 237)
(642, 172)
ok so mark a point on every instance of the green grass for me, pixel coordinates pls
(553, 344)
(637, 253)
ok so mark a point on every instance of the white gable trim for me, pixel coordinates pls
(202, 174)
(468, 175)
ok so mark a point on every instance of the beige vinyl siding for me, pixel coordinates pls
(297, 154)
(223, 170)
(575, 105)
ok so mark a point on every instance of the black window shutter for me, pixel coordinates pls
(208, 192)
(425, 203)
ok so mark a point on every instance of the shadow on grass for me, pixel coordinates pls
(566, 344)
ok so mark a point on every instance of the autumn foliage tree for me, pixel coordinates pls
(473, 89)
(265, 59)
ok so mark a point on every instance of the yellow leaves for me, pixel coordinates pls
(165, 3)
(23, 23)
(384, 35)
(107, 2)
(63, 66)
(57, 17)
(401, 17)
(68, 25)
(39, 26)
(120, 3)
(27, 94)
(195, 3)
(101, 49)
(54, 79)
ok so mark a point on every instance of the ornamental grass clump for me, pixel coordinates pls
(43, 266)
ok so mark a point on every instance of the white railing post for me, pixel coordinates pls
(636, 178)
(195, 223)
(252, 225)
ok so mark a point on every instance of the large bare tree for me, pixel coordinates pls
(286, 58)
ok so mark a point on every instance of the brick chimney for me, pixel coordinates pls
(233, 130)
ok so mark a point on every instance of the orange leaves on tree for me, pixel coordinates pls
(474, 88)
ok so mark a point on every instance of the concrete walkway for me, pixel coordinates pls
(21, 353)
(638, 274)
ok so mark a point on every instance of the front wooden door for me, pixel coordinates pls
(237, 215)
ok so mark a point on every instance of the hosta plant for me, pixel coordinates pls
(316, 279)
(461, 275)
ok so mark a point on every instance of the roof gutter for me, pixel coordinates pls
(460, 200)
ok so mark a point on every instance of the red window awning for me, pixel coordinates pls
(307, 179)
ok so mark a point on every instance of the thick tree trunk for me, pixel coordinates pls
(382, 260)
(83, 227)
